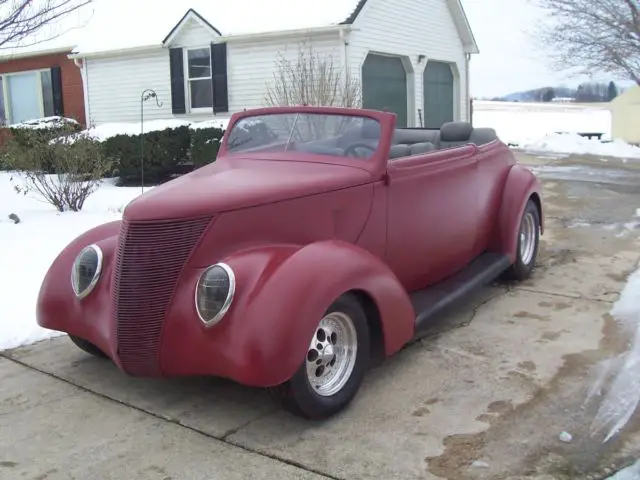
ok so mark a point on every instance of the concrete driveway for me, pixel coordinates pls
(485, 396)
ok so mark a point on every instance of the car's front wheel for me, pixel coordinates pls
(528, 244)
(333, 370)
(88, 347)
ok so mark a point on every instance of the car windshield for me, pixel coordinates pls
(315, 133)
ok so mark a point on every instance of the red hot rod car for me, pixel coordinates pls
(319, 240)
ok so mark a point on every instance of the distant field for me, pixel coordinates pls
(519, 122)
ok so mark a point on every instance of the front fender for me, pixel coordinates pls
(282, 293)
(58, 308)
(520, 186)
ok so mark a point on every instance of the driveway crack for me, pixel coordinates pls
(223, 439)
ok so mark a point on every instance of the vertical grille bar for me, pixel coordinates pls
(149, 259)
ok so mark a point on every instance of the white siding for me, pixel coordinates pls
(411, 28)
(400, 27)
(115, 85)
(251, 66)
(193, 34)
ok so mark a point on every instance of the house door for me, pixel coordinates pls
(438, 84)
(384, 86)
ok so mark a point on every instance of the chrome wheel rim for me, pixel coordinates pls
(332, 354)
(527, 238)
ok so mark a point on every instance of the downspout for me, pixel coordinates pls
(345, 56)
(82, 65)
(468, 88)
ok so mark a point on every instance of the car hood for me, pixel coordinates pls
(239, 183)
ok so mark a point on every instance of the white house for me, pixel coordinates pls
(411, 56)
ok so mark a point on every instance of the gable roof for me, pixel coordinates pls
(464, 27)
(111, 25)
(459, 19)
(190, 15)
(150, 23)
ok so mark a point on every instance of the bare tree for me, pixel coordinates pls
(22, 20)
(593, 35)
(312, 79)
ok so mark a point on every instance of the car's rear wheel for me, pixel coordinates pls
(333, 370)
(528, 244)
(88, 347)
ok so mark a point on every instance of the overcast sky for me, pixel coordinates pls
(509, 58)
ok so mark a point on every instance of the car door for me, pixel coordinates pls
(432, 214)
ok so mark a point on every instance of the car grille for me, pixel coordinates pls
(149, 259)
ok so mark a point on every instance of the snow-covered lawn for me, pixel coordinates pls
(535, 127)
(28, 248)
(104, 131)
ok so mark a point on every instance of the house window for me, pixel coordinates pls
(26, 96)
(199, 78)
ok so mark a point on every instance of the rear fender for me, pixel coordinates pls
(283, 292)
(520, 187)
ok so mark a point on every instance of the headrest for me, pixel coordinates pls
(456, 132)
(414, 136)
(397, 151)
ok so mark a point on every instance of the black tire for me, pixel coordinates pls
(521, 269)
(298, 395)
(88, 347)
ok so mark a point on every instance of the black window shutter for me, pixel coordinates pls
(56, 87)
(219, 77)
(176, 67)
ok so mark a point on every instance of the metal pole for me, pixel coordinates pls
(142, 143)
(144, 96)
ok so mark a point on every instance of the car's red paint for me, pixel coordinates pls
(262, 326)
(519, 187)
(299, 230)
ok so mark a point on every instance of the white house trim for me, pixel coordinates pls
(462, 24)
(190, 15)
(250, 37)
(115, 52)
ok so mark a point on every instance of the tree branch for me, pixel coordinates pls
(593, 36)
(22, 20)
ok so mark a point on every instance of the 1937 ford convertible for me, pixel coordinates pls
(319, 240)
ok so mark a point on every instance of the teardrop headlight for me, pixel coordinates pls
(214, 293)
(86, 270)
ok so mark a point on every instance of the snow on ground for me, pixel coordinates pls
(552, 127)
(28, 248)
(572, 143)
(107, 130)
(621, 374)
(630, 473)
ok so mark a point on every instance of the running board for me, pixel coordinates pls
(429, 302)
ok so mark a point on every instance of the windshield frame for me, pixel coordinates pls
(375, 163)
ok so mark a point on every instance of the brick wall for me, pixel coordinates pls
(72, 92)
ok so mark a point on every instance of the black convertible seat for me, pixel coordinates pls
(412, 136)
(451, 134)
(403, 150)
(482, 136)
(424, 147)
(454, 134)
(399, 150)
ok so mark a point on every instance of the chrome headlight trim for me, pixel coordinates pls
(96, 275)
(228, 300)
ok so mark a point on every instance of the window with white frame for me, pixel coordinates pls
(198, 78)
(26, 96)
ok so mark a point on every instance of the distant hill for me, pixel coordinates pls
(585, 92)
